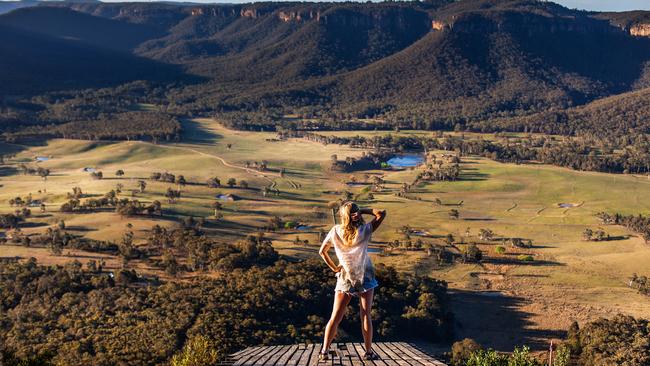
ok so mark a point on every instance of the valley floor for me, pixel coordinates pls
(501, 302)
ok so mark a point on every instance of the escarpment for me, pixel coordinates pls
(640, 30)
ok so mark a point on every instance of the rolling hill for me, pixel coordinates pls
(33, 63)
(438, 63)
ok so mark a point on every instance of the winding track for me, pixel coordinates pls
(222, 160)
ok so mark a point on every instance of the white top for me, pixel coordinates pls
(354, 259)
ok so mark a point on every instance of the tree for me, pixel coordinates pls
(43, 173)
(232, 182)
(449, 239)
(142, 185)
(181, 181)
(472, 253)
(119, 173)
(217, 206)
(486, 234)
(214, 182)
(454, 214)
(172, 195)
(587, 234)
(243, 184)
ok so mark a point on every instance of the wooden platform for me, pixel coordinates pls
(341, 354)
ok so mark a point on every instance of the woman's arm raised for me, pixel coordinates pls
(380, 215)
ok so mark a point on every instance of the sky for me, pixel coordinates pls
(606, 5)
(594, 5)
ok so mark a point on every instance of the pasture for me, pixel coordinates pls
(568, 279)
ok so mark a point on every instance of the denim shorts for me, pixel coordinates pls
(369, 282)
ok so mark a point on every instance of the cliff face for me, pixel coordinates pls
(288, 16)
(527, 23)
(640, 30)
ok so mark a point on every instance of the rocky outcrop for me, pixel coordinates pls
(288, 16)
(249, 13)
(213, 11)
(640, 30)
(438, 25)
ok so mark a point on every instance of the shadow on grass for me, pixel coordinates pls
(515, 261)
(472, 177)
(196, 133)
(478, 219)
(495, 320)
(79, 228)
(7, 171)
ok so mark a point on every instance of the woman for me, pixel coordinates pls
(355, 273)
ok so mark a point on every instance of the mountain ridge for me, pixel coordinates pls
(437, 63)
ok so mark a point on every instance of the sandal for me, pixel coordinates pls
(370, 355)
(323, 355)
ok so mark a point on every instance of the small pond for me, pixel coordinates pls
(42, 158)
(375, 250)
(406, 160)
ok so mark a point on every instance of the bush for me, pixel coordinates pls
(522, 357)
(622, 340)
(519, 357)
(525, 258)
(197, 352)
(500, 249)
(487, 358)
(472, 254)
(461, 351)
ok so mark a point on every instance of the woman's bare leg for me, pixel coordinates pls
(341, 301)
(365, 305)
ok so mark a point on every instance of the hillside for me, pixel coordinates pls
(73, 25)
(70, 64)
(437, 64)
(618, 115)
(7, 6)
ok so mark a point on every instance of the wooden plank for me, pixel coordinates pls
(261, 358)
(249, 356)
(346, 356)
(245, 351)
(384, 357)
(405, 355)
(282, 361)
(294, 360)
(304, 359)
(361, 350)
(261, 361)
(406, 351)
(417, 351)
(397, 355)
(276, 355)
(355, 357)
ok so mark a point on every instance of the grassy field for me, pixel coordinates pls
(569, 279)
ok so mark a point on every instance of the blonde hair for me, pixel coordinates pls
(350, 228)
